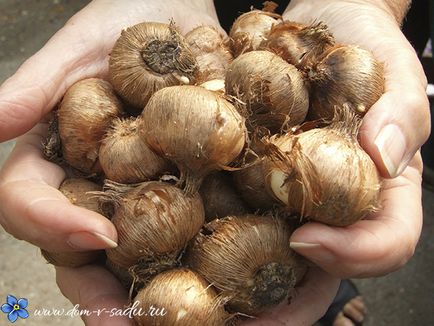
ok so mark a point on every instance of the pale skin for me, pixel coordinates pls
(34, 210)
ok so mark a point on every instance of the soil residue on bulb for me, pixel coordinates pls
(272, 283)
(161, 56)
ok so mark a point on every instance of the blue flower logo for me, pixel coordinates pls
(15, 308)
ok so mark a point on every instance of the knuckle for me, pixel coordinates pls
(417, 109)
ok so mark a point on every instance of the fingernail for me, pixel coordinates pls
(391, 145)
(90, 240)
(313, 251)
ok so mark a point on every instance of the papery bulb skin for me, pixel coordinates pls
(347, 75)
(147, 57)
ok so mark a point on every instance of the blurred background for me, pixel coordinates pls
(405, 297)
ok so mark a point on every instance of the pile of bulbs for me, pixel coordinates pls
(206, 152)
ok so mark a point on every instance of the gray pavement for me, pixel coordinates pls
(402, 298)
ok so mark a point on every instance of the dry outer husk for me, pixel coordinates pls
(126, 158)
(274, 91)
(51, 144)
(297, 43)
(324, 174)
(196, 128)
(251, 28)
(154, 220)
(147, 57)
(187, 300)
(249, 180)
(248, 259)
(346, 75)
(212, 53)
(85, 113)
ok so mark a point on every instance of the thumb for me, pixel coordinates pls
(42, 80)
(399, 123)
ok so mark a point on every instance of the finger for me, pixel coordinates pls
(398, 124)
(310, 302)
(34, 210)
(375, 246)
(98, 294)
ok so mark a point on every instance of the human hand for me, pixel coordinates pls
(28, 183)
(392, 132)
(32, 208)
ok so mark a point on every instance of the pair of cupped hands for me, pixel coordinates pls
(392, 132)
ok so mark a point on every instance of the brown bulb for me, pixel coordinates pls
(248, 259)
(211, 51)
(251, 186)
(126, 158)
(196, 128)
(154, 222)
(147, 57)
(220, 198)
(250, 29)
(71, 259)
(274, 91)
(325, 175)
(297, 43)
(121, 273)
(182, 298)
(347, 75)
(78, 192)
(85, 113)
